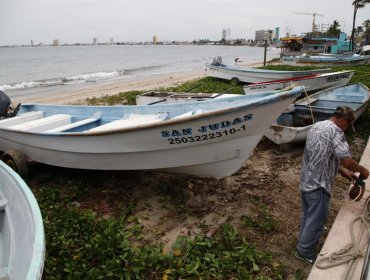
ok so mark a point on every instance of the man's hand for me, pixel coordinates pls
(352, 165)
(348, 174)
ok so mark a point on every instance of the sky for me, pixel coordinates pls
(79, 21)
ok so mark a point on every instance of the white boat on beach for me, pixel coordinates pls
(246, 74)
(151, 98)
(211, 138)
(293, 125)
(311, 83)
(22, 241)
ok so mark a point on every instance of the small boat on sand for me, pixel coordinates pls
(236, 73)
(293, 125)
(151, 98)
(311, 83)
(211, 138)
(22, 241)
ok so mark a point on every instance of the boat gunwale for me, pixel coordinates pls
(267, 99)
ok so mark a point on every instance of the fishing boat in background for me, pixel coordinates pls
(293, 125)
(211, 138)
(324, 59)
(311, 83)
(245, 74)
(22, 241)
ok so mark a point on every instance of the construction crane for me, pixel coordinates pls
(314, 17)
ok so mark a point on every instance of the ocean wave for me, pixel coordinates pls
(97, 77)
(92, 77)
(82, 78)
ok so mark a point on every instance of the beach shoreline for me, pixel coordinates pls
(78, 95)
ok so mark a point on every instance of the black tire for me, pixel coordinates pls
(17, 161)
(234, 81)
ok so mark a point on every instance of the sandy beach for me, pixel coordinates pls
(79, 94)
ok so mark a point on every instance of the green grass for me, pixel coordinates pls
(82, 245)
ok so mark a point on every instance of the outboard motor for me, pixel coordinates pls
(6, 107)
(217, 61)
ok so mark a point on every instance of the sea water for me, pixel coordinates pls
(34, 69)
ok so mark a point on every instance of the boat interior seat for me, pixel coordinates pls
(4, 273)
(187, 114)
(21, 118)
(94, 118)
(131, 120)
(43, 124)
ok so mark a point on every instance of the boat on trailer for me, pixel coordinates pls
(22, 241)
(311, 83)
(236, 73)
(293, 125)
(211, 138)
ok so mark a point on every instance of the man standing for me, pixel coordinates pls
(326, 147)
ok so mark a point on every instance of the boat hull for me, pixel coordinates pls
(311, 83)
(254, 75)
(192, 145)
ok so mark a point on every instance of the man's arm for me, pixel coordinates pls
(352, 165)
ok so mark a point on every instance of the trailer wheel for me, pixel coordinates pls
(17, 161)
(234, 81)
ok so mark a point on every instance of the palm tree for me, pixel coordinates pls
(366, 25)
(357, 4)
(334, 29)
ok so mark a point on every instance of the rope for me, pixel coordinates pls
(309, 104)
(351, 251)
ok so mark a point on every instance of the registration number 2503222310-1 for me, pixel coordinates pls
(207, 132)
(205, 137)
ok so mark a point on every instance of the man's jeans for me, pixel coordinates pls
(315, 205)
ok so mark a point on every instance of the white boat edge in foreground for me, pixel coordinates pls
(25, 228)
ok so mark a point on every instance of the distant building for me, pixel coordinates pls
(95, 41)
(262, 35)
(32, 43)
(111, 41)
(55, 42)
(226, 34)
(276, 35)
(311, 45)
(155, 40)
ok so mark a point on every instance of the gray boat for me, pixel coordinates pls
(22, 241)
(293, 125)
